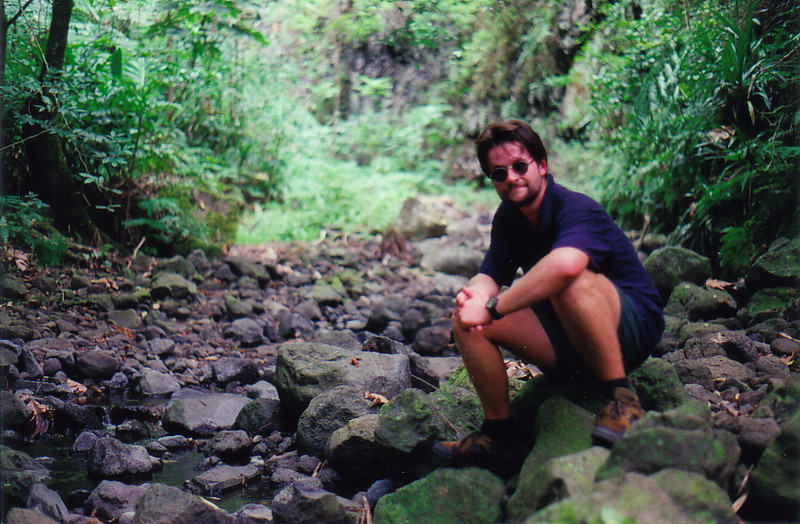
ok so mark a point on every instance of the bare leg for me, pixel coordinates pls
(589, 310)
(519, 332)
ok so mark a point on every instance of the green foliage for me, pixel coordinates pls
(699, 105)
(24, 222)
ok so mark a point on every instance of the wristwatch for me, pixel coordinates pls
(491, 307)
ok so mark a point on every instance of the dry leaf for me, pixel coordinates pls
(717, 284)
(41, 417)
(377, 400)
(355, 361)
(76, 387)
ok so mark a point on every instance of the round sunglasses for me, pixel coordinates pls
(500, 173)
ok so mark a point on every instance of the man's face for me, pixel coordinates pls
(518, 189)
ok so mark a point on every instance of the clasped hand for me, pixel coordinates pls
(471, 309)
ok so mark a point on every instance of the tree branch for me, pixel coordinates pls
(14, 18)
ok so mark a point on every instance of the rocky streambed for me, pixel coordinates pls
(306, 383)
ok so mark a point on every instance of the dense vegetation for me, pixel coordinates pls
(170, 125)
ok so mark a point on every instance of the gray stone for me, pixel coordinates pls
(353, 451)
(179, 265)
(236, 308)
(14, 414)
(253, 514)
(450, 256)
(766, 304)
(428, 373)
(199, 414)
(162, 504)
(306, 502)
(778, 266)
(111, 459)
(155, 383)
(27, 516)
(304, 370)
(20, 472)
(693, 302)
(776, 477)
(259, 416)
(658, 385)
(161, 346)
(432, 340)
(325, 295)
(263, 389)
(84, 442)
(247, 267)
(246, 332)
(12, 287)
(112, 498)
(230, 445)
(96, 364)
(45, 500)
(669, 266)
(172, 285)
(127, 318)
(327, 412)
(241, 370)
(423, 217)
(223, 478)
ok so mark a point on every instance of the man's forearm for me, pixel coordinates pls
(551, 275)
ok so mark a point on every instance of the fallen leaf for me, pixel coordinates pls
(355, 361)
(377, 400)
(717, 284)
(41, 417)
(76, 387)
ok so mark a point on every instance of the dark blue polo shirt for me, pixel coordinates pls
(571, 219)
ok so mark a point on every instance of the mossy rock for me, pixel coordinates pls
(768, 303)
(445, 496)
(783, 402)
(776, 478)
(658, 386)
(704, 499)
(561, 428)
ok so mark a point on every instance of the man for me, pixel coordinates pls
(584, 305)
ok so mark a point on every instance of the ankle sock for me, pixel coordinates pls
(610, 385)
(501, 430)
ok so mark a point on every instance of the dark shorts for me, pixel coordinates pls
(569, 362)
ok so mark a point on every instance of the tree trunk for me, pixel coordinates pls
(50, 174)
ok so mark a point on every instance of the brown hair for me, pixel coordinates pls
(505, 132)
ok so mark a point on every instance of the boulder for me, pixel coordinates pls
(450, 256)
(778, 266)
(354, 453)
(555, 479)
(253, 514)
(676, 440)
(201, 414)
(46, 501)
(172, 285)
(423, 217)
(446, 495)
(96, 364)
(27, 516)
(326, 413)
(241, 370)
(14, 414)
(670, 265)
(259, 416)
(694, 303)
(112, 498)
(776, 477)
(245, 331)
(111, 459)
(157, 384)
(161, 504)
(223, 478)
(304, 370)
(232, 446)
(305, 501)
(766, 304)
(658, 385)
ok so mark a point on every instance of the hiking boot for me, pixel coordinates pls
(478, 449)
(615, 419)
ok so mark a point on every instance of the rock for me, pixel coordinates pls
(259, 416)
(199, 261)
(96, 364)
(306, 502)
(72, 417)
(433, 340)
(178, 265)
(162, 504)
(19, 473)
(111, 459)
(232, 446)
(174, 442)
(450, 256)
(236, 308)
(446, 495)
(705, 371)
(112, 498)
(223, 478)
(14, 414)
(241, 370)
(423, 217)
(253, 514)
(27, 516)
(83, 443)
(631, 498)
(156, 384)
(669, 266)
(766, 304)
(778, 266)
(783, 402)
(353, 452)
(674, 440)
(161, 346)
(327, 412)
(692, 330)
(201, 414)
(253, 269)
(46, 501)
(325, 295)
(263, 390)
(172, 285)
(753, 435)
(246, 332)
(693, 302)
(304, 370)
(428, 373)
(12, 287)
(127, 318)
(776, 477)
(561, 428)
(658, 385)
(555, 479)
